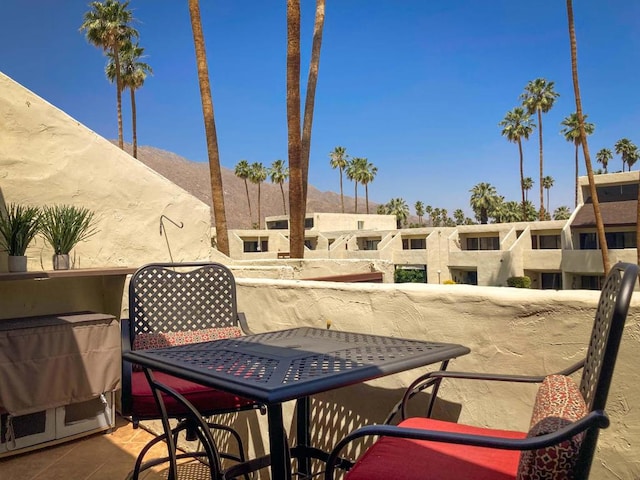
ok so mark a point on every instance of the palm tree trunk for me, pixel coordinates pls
(284, 203)
(259, 202)
(366, 193)
(296, 191)
(524, 200)
(341, 194)
(312, 81)
(116, 58)
(585, 147)
(541, 216)
(246, 188)
(356, 209)
(575, 197)
(548, 204)
(134, 126)
(217, 192)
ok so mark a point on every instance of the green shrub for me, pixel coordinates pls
(519, 282)
(409, 276)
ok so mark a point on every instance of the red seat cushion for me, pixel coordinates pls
(204, 399)
(404, 459)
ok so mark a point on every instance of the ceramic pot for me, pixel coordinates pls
(17, 263)
(61, 261)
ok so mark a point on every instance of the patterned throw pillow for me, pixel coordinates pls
(144, 341)
(558, 403)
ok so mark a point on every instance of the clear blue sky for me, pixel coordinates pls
(418, 87)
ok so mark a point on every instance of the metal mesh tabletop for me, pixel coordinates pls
(284, 365)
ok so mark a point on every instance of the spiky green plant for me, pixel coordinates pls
(64, 226)
(18, 225)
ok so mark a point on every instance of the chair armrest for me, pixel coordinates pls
(595, 419)
(125, 336)
(244, 326)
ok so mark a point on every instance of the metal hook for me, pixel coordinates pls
(181, 225)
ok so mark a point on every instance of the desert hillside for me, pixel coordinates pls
(194, 177)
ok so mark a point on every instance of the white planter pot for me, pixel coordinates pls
(61, 262)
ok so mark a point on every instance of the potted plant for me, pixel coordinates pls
(64, 226)
(18, 225)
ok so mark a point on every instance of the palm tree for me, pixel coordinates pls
(339, 160)
(278, 173)
(571, 132)
(628, 151)
(243, 171)
(547, 183)
(518, 125)
(538, 97)
(134, 73)
(215, 173)
(107, 26)
(561, 213)
(428, 209)
(585, 145)
(368, 173)
(527, 184)
(604, 156)
(459, 216)
(353, 172)
(399, 208)
(483, 199)
(257, 175)
(419, 206)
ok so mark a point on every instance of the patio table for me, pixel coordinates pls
(280, 366)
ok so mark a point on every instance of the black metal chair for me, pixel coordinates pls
(173, 304)
(564, 426)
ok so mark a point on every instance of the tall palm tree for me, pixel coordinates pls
(419, 206)
(604, 156)
(353, 173)
(134, 73)
(585, 146)
(243, 171)
(278, 173)
(527, 184)
(628, 151)
(339, 160)
(367, 174)
(428, 209)
(258, 174)
(399, 208)
(518, 125)
(571, 132)
(107, 25)
(215, 173)
(561, 213)
(459, 216)
(483, 198)
(547, 183)
(538, 97)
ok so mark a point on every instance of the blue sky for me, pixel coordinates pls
(418, 87)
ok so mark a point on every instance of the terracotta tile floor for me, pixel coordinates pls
(97, 457)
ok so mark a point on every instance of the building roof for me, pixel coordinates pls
(617, 213)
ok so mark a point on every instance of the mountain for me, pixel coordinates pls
(194, 178)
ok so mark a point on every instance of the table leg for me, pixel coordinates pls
(303, 414)
(280, 458)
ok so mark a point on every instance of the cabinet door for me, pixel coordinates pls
(26, 430)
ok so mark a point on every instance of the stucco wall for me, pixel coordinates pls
(508, 330)
(47, 157)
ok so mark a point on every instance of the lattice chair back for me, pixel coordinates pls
(181, 303)
(603, 348)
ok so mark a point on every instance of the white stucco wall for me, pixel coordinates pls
(508, 330)
(47, 157)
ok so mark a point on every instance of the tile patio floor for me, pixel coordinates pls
(103, 456)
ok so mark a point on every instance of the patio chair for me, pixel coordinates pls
(564, 427)
(176, 304)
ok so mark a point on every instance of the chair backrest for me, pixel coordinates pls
(173, 298)
(603, 350)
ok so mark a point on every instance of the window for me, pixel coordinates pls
(621, 239)
(360, 224)
(251, 246)
(308, 223)
(405, 244)
(483, 243)
(278, 225)
(551, 281)
(550, 242)
(418, 243)
(588, 241)
(591, 282)
(371, 244)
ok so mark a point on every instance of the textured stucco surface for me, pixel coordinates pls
(48, 158)
(508, 330)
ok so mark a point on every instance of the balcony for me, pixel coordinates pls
(508, 330)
